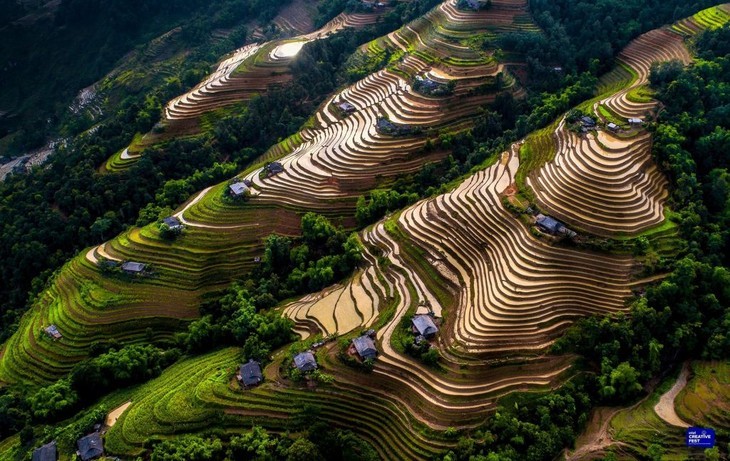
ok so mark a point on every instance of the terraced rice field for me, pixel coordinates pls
(634, 429)
(249, 71)
(711, 18)
(296, 18)
(705, 400)
(328, 167)
(604, 182)
(503, 294)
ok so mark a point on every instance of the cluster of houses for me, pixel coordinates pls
(89, 447)
(250, 374)
(585, 123)
(242, 188)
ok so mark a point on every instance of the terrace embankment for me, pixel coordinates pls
(326, 167)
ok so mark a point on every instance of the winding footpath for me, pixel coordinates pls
(665, 407)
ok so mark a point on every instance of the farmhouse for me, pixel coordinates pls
(365, 347)
(131, 267)
(612, 126)
(250, 374)
(90, 447)
(173, 223)
(239, 189)
(587, 121)
(549, 225)
(423, 325)
(475, 5)
(346, 107)
(305, 361)
(52, 332)
(273, 168)
(45, 453)
(635, 121)
(426, 83)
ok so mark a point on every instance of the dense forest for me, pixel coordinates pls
(47, 60)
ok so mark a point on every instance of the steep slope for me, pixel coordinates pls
(503, 293)
(606, 182)
(329, 166)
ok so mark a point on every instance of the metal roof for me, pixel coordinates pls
(46, 452)
(90, 447)
(131, 266)
(172, 221)
(548, 223)
(365, 346)
(425, 325)
(251, 373)
(305, 361)
(239, 188)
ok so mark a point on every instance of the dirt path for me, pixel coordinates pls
(665, 408)
(596, 437)
(114, 415)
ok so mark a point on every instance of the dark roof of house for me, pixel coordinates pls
(238, 188)
(172, 221)
(365, 346)
(275, 167)
(346, 106)
(549, 224)
(427, 82)
(131, 266)
(385, 124)
(424, 324)
(251, 373)
(46, 452)
(305, 361)
(90, 447)
(587, 120)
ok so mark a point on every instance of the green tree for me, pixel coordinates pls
(189, 448)
(53, 401)
(303, 450)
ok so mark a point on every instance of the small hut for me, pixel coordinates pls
(90, 447)
(250, 374)
(46, 452)
(52, 332)
(305, 361)
(424, 325)
(365, 347)
(131, 267)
